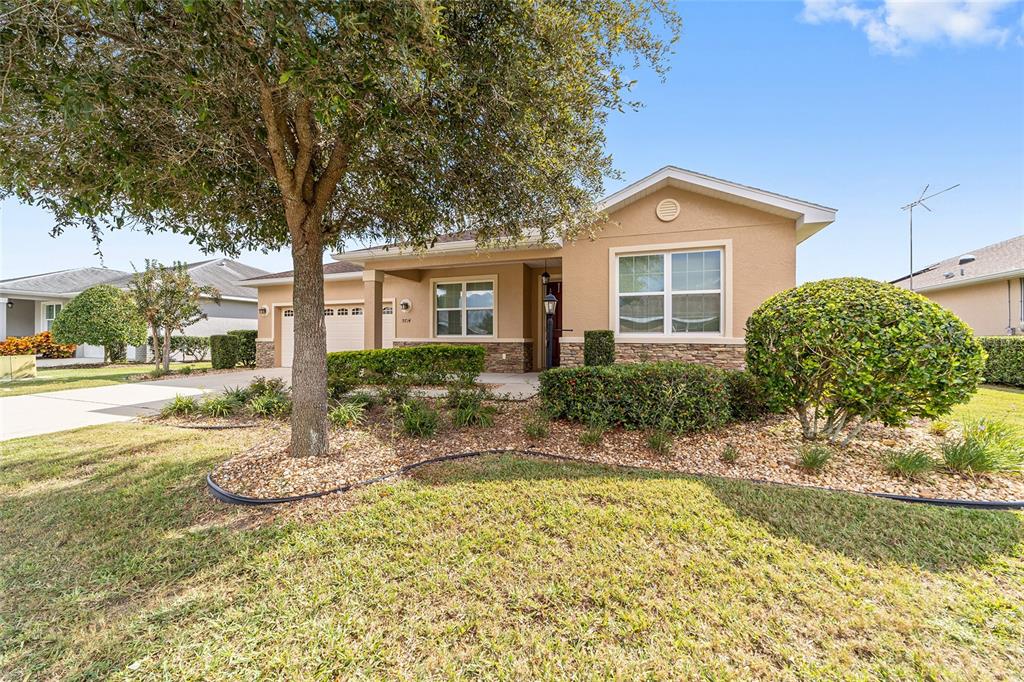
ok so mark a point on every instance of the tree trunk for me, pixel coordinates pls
(167, 350)
(156, 347)
(309, 363)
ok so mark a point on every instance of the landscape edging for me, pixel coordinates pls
(232, 498)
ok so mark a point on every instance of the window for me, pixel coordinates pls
(388, 310)
(343, 311)
(464, 308)
(670, 293)
(52, 310)
(289, 313)
(357, 311)
(328, 312)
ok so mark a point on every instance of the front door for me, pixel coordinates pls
(556, 289)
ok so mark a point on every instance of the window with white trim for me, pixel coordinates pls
(670, 293)
(50, 314)
(464, 308)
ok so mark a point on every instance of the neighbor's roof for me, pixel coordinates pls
(809, 217)
(995, 261)
(223, 274)
(336, 270)
(63, 283)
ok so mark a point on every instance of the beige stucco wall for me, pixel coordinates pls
(762, 249)
(760, 261)
(983, 306)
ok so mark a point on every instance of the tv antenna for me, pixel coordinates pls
(910, 208)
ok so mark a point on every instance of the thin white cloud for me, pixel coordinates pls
(897, 26)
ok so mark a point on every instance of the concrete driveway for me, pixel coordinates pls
(32, 415)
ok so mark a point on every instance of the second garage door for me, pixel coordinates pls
(344, 325)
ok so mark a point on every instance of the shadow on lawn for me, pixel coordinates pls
(860, 527)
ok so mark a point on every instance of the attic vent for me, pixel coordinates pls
(667, 210)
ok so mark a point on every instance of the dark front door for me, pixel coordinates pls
(556, 289)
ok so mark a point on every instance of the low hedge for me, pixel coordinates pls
(417, 365)
(223, 351)
(1005, 364)
(191, 347)
(598, 347)
(674, 396)
(747, 399)
(246, 346)
(41, 344)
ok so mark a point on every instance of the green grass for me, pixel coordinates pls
(114, 564)
(996, 402)
(62, 379)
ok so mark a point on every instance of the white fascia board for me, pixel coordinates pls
(981, 279)
(360, 256)
(810, 217)
(330, 277)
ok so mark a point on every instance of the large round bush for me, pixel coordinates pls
(844, 352)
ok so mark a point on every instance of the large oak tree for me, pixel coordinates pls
(266, 124)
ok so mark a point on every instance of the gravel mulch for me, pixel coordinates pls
(768, 450)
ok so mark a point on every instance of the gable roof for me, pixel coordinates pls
(223, 274)
(809, 217)
(62, 283)
(337, 270)
(996, 261)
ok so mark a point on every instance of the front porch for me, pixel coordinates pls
(496, 302)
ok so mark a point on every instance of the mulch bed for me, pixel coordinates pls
(768, 450)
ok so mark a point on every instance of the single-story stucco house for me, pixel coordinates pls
(28, 305)
(681, 263)
(984, 287)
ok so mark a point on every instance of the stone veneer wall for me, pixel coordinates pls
(725, 356)
(264, 354)
(518, 354)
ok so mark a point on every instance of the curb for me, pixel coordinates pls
(232, 498)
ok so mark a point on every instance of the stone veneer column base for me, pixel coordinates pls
(724, 356)
(512, 357)
(264, 354)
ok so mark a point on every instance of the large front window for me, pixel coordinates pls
(670, 293)
(464, 308)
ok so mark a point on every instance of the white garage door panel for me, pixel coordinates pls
(344, 325)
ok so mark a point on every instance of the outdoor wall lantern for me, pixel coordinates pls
(263, 310)
(405, 305)
(550, 305)
(10, 304)
(545, 278)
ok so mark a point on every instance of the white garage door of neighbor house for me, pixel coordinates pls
(344, 329)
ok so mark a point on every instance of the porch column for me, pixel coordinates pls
(373, 311)
(3, 318)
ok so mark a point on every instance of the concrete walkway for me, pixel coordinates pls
(39, 413)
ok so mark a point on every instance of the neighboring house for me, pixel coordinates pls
(984, 287)
(28, 305)
(682, 262)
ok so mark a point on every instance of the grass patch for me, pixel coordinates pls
(114, 563)
(62, 379)
(994, 402)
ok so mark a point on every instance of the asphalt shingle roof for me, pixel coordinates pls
(1005, 256)
(223, 274)
(329, 269)
(68, 281)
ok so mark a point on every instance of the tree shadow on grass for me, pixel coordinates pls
(861, 527)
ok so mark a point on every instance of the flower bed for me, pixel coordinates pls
(767, 450)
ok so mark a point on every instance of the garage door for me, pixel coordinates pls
(344, 325)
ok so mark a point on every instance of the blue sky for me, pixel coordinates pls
(855, 105)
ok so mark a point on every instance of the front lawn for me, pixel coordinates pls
(995, 402)
(114, 563)
(63, 378)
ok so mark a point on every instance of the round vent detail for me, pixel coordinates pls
(667, 210)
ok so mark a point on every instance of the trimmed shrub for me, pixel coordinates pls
(846, 352)
(672, 396)
(747, 401)
(246, 346)
(431, 364)
(191, 347)
(223, 351)
(598, 347)
(1005, 363)
(102, 315)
